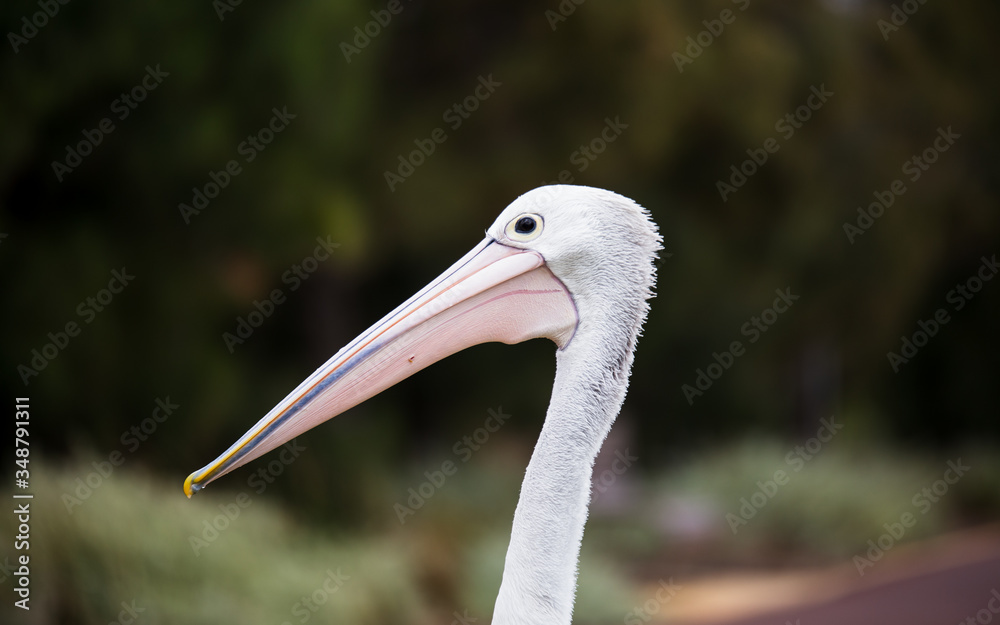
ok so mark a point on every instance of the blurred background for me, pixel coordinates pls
(201, 202)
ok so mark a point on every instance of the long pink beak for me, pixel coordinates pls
(494, 293)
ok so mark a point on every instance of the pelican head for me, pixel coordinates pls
(572, 264)
(568, 263)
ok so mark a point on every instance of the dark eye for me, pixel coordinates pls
(525, 225)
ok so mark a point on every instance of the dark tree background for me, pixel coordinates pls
(694, 92)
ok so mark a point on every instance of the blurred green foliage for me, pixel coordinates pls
(324, 176)
(210, 560)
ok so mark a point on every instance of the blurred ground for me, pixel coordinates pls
(942, 580)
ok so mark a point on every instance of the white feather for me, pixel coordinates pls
(602, 246)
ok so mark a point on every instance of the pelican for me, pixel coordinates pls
(569, 263)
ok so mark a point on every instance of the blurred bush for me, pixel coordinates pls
(213, 560)
(220, 558)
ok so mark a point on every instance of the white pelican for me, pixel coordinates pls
(572, 264)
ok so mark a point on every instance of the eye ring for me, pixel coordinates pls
(525, 227)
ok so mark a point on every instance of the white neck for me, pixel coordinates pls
(539, 579)
(605, 259)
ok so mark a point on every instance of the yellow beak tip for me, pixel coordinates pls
(188, 486)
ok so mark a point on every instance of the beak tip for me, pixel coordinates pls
(190, 487)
